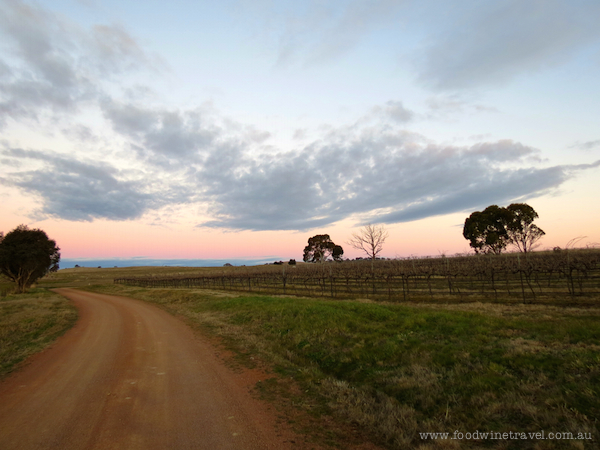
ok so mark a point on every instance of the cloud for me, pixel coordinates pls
(385, 179)
(492, 42)
(378, 172)
(395, 111)
(115, 51)
(501, 188)
(81, 191)
(589, 145)
(318, 31)
(53, 65)
(450, 45)
(344, 29)
(175, 139)
(167, 156)
(449, 105)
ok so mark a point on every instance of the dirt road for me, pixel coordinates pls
(130, 376)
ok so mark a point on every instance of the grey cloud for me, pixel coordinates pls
(81, 133)
(52, 64)
(380, 174)
(449, 105)
(255, 135)
(356, 20)
(589, 145)
(405, 181)
(74, 190)
(5, 70)
(270, 192)
(166, 138)
(452, 45)
(171, 139)
(577, 167)
(491, 42)
(115, 51)
(505, 150)
(395, 111)
(179, 135)
(317, 31)
(500, 188)
(373, 170)
(299, 134)
(129, 119)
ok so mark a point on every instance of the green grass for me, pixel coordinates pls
(29, 322)
(397, 370)
(6, 287)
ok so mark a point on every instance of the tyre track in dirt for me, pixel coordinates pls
(128, 375)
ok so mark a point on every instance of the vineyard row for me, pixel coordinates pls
(571, 273)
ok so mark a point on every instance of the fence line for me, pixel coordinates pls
(525, 276)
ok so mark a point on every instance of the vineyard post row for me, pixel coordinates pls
(527, 276)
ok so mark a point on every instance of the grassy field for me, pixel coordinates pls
(6, 287)
(396, 371)
(88, 276)
(30, 322)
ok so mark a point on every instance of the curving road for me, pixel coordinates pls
(130, 376)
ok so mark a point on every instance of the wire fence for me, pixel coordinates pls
(527, 277)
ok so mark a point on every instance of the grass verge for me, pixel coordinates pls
(30, 322)
(398, 371)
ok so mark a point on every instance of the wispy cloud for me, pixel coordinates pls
(56, 66)
(449, 105)
(589, 145)
(492, 42)
(395, 111)
(458, 45)
(315, 32)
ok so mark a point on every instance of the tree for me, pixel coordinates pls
(494, 228)
(522, 232)
(486, 230)
(370, 239)
(337, 253)
(320, 247)
(27, 255)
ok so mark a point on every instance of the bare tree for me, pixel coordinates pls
(369, 239)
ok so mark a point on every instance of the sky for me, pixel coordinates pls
(240, 128)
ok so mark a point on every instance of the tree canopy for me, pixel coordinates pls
(320, 247)
(522, 231)
(494, 228)
(27, 255)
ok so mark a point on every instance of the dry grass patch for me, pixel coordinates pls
(30, 322)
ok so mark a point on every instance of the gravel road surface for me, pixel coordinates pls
(130, 376)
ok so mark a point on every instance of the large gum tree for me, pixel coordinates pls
(523, 233)
(320, 247)
(494, 228)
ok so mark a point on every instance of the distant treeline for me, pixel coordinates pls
(530, 276)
